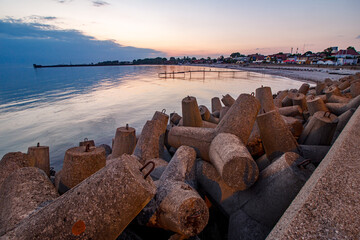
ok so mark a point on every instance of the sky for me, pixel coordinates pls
(80, 31)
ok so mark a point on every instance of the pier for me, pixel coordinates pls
(185, 74)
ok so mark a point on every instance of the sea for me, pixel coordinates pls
(60, 107)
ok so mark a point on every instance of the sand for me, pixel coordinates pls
(311, 74)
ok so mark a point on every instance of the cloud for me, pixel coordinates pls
(358, 37)
(28, 43)
(99, 3)
(63, 1)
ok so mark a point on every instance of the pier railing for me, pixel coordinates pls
(185, 74)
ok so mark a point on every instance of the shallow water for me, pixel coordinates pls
(59, 107)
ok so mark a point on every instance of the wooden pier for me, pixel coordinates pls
(185, 74)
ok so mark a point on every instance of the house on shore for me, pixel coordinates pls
(346, 57)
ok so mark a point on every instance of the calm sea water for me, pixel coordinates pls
(59, 107)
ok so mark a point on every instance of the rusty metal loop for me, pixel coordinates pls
(188, 97)
(253, 94)
(86, 139)
(38, 144)
(152, 168)
(330, 89)
(304, 163)
(163, 111)
(328, 115)
(87, 148)
(312, 97)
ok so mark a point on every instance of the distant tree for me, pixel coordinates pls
(193, 58)
(351, 47)
(235, 55)
(221, 58)
(328, 51)
(208, 58)
(172, 59)
(308, 52)
(280, 53)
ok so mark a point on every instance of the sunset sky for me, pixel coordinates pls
(188, 28)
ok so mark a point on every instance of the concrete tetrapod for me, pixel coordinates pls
(206, 115)
(228, 100)
(338, 99)
(147, 146)
(300, 100)
(316, 104)
(319, 88)
(80, 163)
(277, 186)
(25, 190)
(332, 90)
(315, 153)
(89, 211)
(233, 161)
(320, 129)
(175, 118)
(198, 138)
(215, 104)
(355, 89)
(264, 95)
(275, 134)
(190, 112)
(223, 112)
(304, 88)
(12, 161)
(344, 85)
(164, 119)
(243, 227)
(343, 120)
(177, 206)
(291, 111)
(41, 157)
(124, 142)
(240, 118)
(268, 198)
(340, 108)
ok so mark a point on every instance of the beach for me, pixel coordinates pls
(302, 73)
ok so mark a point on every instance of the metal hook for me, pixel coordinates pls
(164, 110)
(38, 144)
(304, 163)
(143, 167)
(328, 114)
(252, 94)
(127, 126)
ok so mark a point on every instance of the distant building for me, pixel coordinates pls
(346, 57)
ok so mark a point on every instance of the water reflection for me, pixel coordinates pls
(60, 107)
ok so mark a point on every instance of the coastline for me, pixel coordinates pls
(305, 74)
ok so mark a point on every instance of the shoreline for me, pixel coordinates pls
(304, 74)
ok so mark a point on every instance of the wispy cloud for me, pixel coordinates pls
(63, 1)
(28, 42)
(99, 3)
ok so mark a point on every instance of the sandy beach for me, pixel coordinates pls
(312, 74)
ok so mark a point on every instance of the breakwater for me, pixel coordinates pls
(229, 172)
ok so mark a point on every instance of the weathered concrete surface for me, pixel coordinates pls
(124, 142)
(41, 157)
(80, 163)
(13, 161)
(233, 161)
(98, 208)
(22, 193)
(328, 206)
